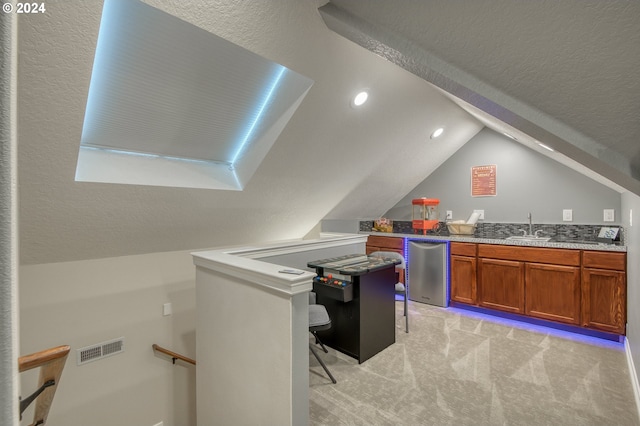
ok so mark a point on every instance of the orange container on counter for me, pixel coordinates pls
(425, 214)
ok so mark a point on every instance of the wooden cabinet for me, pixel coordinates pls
(393, 244)
(552, 292)
(604, 291)
(535, 281)
(377, 243)
(501, 285)
(578, 287)
(463, 273)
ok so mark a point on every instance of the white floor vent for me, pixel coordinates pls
(100, 350)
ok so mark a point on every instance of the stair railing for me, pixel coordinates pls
(51, 363)
(174, 356)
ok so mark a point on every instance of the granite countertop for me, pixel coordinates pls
(566, 244)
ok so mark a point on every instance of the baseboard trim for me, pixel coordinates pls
(634, 375)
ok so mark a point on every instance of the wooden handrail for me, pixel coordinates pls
(51, 363)
(27, 362)
(173, 355)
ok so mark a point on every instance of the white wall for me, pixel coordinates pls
(81, 303)
(340, 225)
(527, 181)
(86, 302)
(631, 206)
(8, 220)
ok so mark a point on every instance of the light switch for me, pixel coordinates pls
(449, 214)
(167, 309)
(609, 215)
(567, 215)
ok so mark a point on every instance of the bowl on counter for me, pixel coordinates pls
(461, 228)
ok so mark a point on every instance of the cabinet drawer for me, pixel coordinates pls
(552, 256)
(386, 242)
(604, 260)
(464, 249)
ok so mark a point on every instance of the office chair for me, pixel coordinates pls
(319, 320)
(401, 289)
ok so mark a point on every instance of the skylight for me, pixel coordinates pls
(171, 104)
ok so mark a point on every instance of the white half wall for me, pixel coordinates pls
(247, 336)
(252, 331)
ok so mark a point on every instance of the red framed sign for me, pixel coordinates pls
(483, 181)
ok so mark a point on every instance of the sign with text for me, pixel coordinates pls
(483, 181)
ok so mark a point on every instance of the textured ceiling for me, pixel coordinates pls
(330, 161)
(564, 72)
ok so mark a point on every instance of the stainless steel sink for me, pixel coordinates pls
(528, 238)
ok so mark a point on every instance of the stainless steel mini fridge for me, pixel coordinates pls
(428, 267)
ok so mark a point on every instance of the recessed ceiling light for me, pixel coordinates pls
(437, 132)
(545, 146)
(360, 99)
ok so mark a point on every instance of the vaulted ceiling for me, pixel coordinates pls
(563, 72)
(566, 71)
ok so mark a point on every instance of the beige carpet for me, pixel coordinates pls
(460, 368)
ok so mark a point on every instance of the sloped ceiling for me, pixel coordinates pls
(331, 160)
(562, 72)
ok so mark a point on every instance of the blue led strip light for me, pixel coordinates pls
(261, 109)
(448, 269)
(149, 155)
(406, 266)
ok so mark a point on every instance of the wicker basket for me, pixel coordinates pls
(461, 228)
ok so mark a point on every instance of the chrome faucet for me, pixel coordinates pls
(530, 225)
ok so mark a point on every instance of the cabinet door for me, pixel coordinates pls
(393, 247)
(501, 285)
(553, 292)
(604, 300)
(370, 249)
(463, 279)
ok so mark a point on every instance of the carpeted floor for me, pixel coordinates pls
(461, 368)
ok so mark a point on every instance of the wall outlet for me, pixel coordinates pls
(609, 215)
(449, 214)
(481, 212)
(167, 309)
(567, 215)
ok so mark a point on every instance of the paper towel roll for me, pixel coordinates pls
(473, 218)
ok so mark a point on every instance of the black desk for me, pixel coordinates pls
(361, 304)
